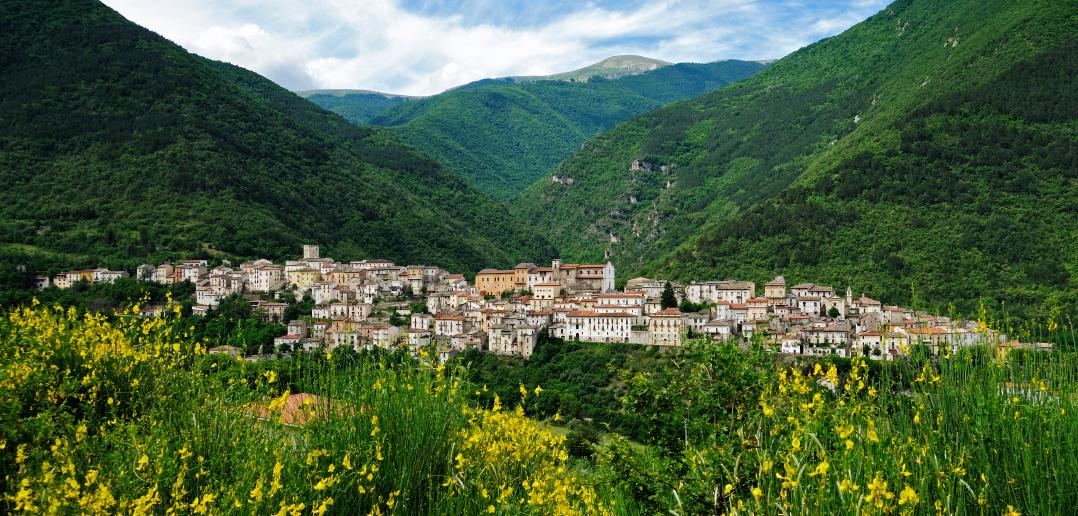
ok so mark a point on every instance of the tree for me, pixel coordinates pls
(833, 312)
(234, 307)
(297, 308)
(669, 300)
(581, 439)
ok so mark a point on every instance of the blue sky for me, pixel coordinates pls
(422, 47)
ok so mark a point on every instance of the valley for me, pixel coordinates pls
(603, 258)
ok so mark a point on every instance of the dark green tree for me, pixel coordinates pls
(669, 300)
(297, 308)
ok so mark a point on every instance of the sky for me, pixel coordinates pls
(423, 47)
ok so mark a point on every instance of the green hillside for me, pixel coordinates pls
(356, 106)
(116, 145)
(502, 135)
(930, 152)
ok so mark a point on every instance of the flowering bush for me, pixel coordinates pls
(968, 433)
(511, 462)
(106, 414)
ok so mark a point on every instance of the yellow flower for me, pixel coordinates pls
(256, 493)
(523, 392)
(877, 492)
(846, 485)
(538, 390)
(907, 496)
(821, 469)
(1011, 511)
(324, 506)
(757, 493)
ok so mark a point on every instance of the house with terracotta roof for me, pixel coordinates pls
(446, 324)
(351, 311)
(739, 312)
(826, 340)
(720, 329)
(383, 335)
(731, 291)
(790, 344)
(869, 344)
(269, 310)
(592, 326)
(775, 290)
(939, 338)
(666, 327)
(540, 319)
(649, 287)
(757, 308)
(721, 310)
(811, 305)
(346, 338)
(632, 303)
(290, 339)
(421, 321)
(581, 277)
(107, 276)
(492, 282)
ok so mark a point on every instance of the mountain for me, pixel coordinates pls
(929, 152)
(614, 67)
(116, 144)
(357, 106)
(502, 135)
(361, 106)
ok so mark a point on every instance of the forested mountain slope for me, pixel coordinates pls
(116, 144)
(928, 153)
(502, 135)
(356, 106)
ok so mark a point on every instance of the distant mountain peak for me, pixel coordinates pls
(613, 67)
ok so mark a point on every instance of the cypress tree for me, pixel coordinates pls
(669, 300)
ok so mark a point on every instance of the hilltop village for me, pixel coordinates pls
(376, 303)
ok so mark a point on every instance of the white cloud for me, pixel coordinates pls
(380, 45)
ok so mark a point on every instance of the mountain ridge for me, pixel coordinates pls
(613, 67)
(356, 106)
(773, 143)
(118, 145)
(502, 134)
(345, 92)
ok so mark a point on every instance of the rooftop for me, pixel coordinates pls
(593, 313)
